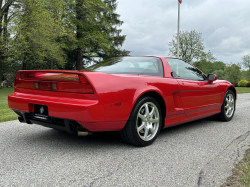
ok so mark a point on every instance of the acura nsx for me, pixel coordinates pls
(137, 96)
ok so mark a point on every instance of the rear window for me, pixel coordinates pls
(130, 65)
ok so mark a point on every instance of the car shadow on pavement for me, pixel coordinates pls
(42, 136)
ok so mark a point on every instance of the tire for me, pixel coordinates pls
(144, 123)
(228, 106)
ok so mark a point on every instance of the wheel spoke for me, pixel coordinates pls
(152, 112)
(152, 130)
(227, 106)
(232, 102)
(154, 120)
(146, 109)
(145, 133)
(142, 117)
(141, 127)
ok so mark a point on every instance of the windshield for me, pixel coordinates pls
(130, 65)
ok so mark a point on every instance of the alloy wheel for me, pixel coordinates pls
(148, 121)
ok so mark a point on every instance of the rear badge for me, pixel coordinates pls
(41, 112)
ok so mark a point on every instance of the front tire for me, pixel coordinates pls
(144, 123)
(228, 106)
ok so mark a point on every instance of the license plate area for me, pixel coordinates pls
(41, 112)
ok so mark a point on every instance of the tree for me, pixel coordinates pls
(37, 30)
(96, 35)
(220, 74)
(246, 64)
(114, 34)
(245, 75)
(204, 65)
(233, 73)
(219, 65)
(246, 61)
(191, 47)
(4, 20)
(210, 67)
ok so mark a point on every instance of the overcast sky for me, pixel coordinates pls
(150, 25)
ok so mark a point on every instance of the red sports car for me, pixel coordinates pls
(137, 96)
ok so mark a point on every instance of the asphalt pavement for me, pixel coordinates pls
(200, 153)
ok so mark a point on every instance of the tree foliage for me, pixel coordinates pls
(246, 61)
(4, 34)
(246, 64)
(191, 47)
(245, 75)
(233, 73)
(210, 67)
(96, 35)
(37, 33)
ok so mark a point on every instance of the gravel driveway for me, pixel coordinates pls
(200, 153)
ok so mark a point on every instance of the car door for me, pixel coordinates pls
(199, 97)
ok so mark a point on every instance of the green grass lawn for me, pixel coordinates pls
(243, 90)
(5, 113)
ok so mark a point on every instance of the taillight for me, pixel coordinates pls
(17, 77)
(61, 82)
(36, 85)
(53, 86)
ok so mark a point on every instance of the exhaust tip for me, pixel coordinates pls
(82, 133)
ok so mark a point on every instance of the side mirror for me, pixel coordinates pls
(211, 78)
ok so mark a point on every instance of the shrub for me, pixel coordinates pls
(235, 84)
(248, 84)
(243, 83)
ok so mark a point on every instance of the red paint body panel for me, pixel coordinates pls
(185, 100)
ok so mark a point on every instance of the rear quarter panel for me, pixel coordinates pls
(127, 89)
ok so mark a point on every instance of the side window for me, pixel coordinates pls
(184, 70)
(149, 66)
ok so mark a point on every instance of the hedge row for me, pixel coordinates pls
(242, 83)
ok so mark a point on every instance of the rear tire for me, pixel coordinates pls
(228, 106)
(144, 123)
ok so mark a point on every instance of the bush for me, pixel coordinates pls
(248, 84)
(235, 84)
(243, 83)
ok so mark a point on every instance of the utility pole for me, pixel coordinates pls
(178, 27)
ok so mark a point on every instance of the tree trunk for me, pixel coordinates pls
(24, 61)
(51, 64)
(79, 63)
(3, 39)
(24, 66)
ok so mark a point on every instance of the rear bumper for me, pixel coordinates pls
(87, 113)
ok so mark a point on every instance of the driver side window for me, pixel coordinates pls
(185, 70)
